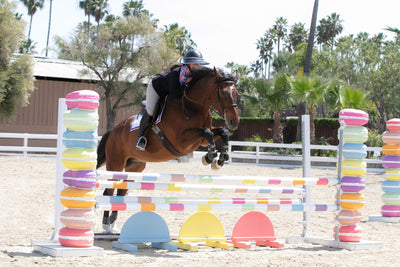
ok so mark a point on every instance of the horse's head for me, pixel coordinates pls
(213, 88)
(226, 103)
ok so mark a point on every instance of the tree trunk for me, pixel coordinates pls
(111, 114)
(381, 120)
(30, 27)
(310, 45)
(312, 125)
(88, 28)
(48, 29)
(278, 135)
(307, 65)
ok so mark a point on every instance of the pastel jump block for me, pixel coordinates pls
(144, 227)
(254, 226)
(202, 227)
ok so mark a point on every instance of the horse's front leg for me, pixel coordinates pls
(223, 156)
(211, 150)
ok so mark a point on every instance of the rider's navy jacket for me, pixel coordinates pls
(167, 83)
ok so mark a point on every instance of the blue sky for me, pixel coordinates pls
(227, 30)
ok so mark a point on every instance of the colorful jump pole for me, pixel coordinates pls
(390, 211)
(353, 166)
(80, 158)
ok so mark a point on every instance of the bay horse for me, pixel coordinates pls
(185, 123)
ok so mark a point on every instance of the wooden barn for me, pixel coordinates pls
(54, 79)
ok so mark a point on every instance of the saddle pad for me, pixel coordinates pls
(136, 122)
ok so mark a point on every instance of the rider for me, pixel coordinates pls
(172, 84)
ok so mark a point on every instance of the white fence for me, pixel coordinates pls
(285, 160)
(236, 152)
(25, 148)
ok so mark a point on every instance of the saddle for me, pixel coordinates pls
(157, 119)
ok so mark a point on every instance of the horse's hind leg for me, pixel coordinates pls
(106, 214)
(114, 214)
(131, 166)
(116, 164)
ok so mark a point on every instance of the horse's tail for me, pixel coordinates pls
(101, 150)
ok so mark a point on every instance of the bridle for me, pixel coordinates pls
(223, 108)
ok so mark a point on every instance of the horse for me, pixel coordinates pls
(185, 126)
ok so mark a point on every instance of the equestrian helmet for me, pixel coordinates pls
(194, 57)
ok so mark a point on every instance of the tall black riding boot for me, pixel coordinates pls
(143, 129)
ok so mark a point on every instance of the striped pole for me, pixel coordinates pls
(162, 177)
(198, 187)
(175, 200)
(211, 207)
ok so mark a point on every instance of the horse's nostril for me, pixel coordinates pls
(233, 124)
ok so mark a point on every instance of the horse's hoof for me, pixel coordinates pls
(114, 228)
(226, 157)
(204, 161)
(215, 165)
(107, 228)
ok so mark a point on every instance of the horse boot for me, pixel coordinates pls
(143, 129)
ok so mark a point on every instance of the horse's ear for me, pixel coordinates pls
(217, 74)
(234, 75)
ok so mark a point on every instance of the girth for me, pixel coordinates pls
(164, 140)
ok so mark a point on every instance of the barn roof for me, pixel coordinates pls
(65, 69)
(58, 68)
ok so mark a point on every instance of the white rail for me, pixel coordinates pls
(254, 157)
(25, 148)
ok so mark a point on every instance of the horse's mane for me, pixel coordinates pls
(198, 74)
(202, 72)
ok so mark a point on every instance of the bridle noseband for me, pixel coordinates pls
(219, 98)
(223, 109)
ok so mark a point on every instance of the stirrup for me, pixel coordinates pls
(141, 143)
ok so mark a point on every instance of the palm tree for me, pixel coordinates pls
(265, 45)
(85, 5)
(328, 29)
(273, 95)
(256, 67)
(32, 6)
(99, 9)
(178, 38)
(278, 99)
(280, 30)
(261, 45)
(297, 35)
(48, 29)
(352, 98)
(132, 8)
(395, 30)
(311, 90)
(307, 64)
(27, 47)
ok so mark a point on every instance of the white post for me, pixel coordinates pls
(257, 154)
(62, 107)
(230, 153)
(25, 145)
(339, 170)
(306, 152)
